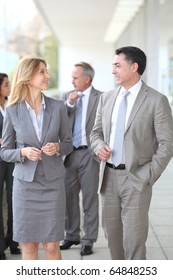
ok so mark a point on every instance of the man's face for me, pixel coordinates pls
(124, 71)
(79, 80)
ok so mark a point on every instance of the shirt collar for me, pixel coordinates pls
(43, 104)
(134, 89)
(87, 91)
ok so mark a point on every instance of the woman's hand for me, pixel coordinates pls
(51, 149)
(31, 153)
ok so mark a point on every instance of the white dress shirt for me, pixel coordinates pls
(37, 120)
(3, 110)
(85, 100)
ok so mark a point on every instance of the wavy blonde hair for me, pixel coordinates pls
(26, 69)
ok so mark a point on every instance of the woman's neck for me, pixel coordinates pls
(2, 102)
(35, 102)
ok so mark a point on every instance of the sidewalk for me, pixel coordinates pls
(160, 239)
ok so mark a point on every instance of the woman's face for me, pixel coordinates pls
(41, 80)
(5, 87)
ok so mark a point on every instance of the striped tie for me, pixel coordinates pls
(77, 128)
(117, 155)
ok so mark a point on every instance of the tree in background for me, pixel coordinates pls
(30, 38)
(50, 53)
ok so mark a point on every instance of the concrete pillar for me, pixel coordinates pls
(152, 42)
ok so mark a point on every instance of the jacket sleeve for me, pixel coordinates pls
(97, 135)
(9, 152)
(65, 133)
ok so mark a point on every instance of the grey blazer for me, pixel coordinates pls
(148, 135)
(18, 132)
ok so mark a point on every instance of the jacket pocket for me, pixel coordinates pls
(143, 161)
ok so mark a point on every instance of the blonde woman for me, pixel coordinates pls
(36, 134)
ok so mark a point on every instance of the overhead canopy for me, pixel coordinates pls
(88, 21)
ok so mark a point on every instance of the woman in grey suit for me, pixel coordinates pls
(36, 134)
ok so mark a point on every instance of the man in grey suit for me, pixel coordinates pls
(126, 187)
(82, 165)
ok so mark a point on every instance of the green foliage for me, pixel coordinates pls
(50, 54)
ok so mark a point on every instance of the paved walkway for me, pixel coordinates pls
(160, 239)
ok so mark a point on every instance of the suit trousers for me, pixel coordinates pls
(82, 174)
(124, 215)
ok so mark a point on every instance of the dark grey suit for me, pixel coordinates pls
(82, 173)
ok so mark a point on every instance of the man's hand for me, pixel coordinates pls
(104, 153)
(73, 97)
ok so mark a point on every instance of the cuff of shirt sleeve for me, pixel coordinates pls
(22, 159)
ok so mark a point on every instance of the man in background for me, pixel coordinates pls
(82, 165)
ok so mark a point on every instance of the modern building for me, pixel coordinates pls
(91, 30)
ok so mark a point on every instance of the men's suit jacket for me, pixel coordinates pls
(91, 112)
(148, 135)
(18, 132)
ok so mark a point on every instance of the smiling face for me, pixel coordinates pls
(40, 80)
(125, 71)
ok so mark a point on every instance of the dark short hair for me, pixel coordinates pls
(2, 76)
(134, 55)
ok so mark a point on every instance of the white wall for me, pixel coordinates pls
(142, 32)
(150, 29)
(100, 57)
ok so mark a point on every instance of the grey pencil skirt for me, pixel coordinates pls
(38, 209)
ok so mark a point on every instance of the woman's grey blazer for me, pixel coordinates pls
(18, 132)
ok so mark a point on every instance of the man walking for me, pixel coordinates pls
(133, 138)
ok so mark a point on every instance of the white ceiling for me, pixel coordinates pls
(87, 21)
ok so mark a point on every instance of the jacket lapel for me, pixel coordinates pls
(109, 110)
(138, 103)
(91, 103)
(25, 118)
(47, 114)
